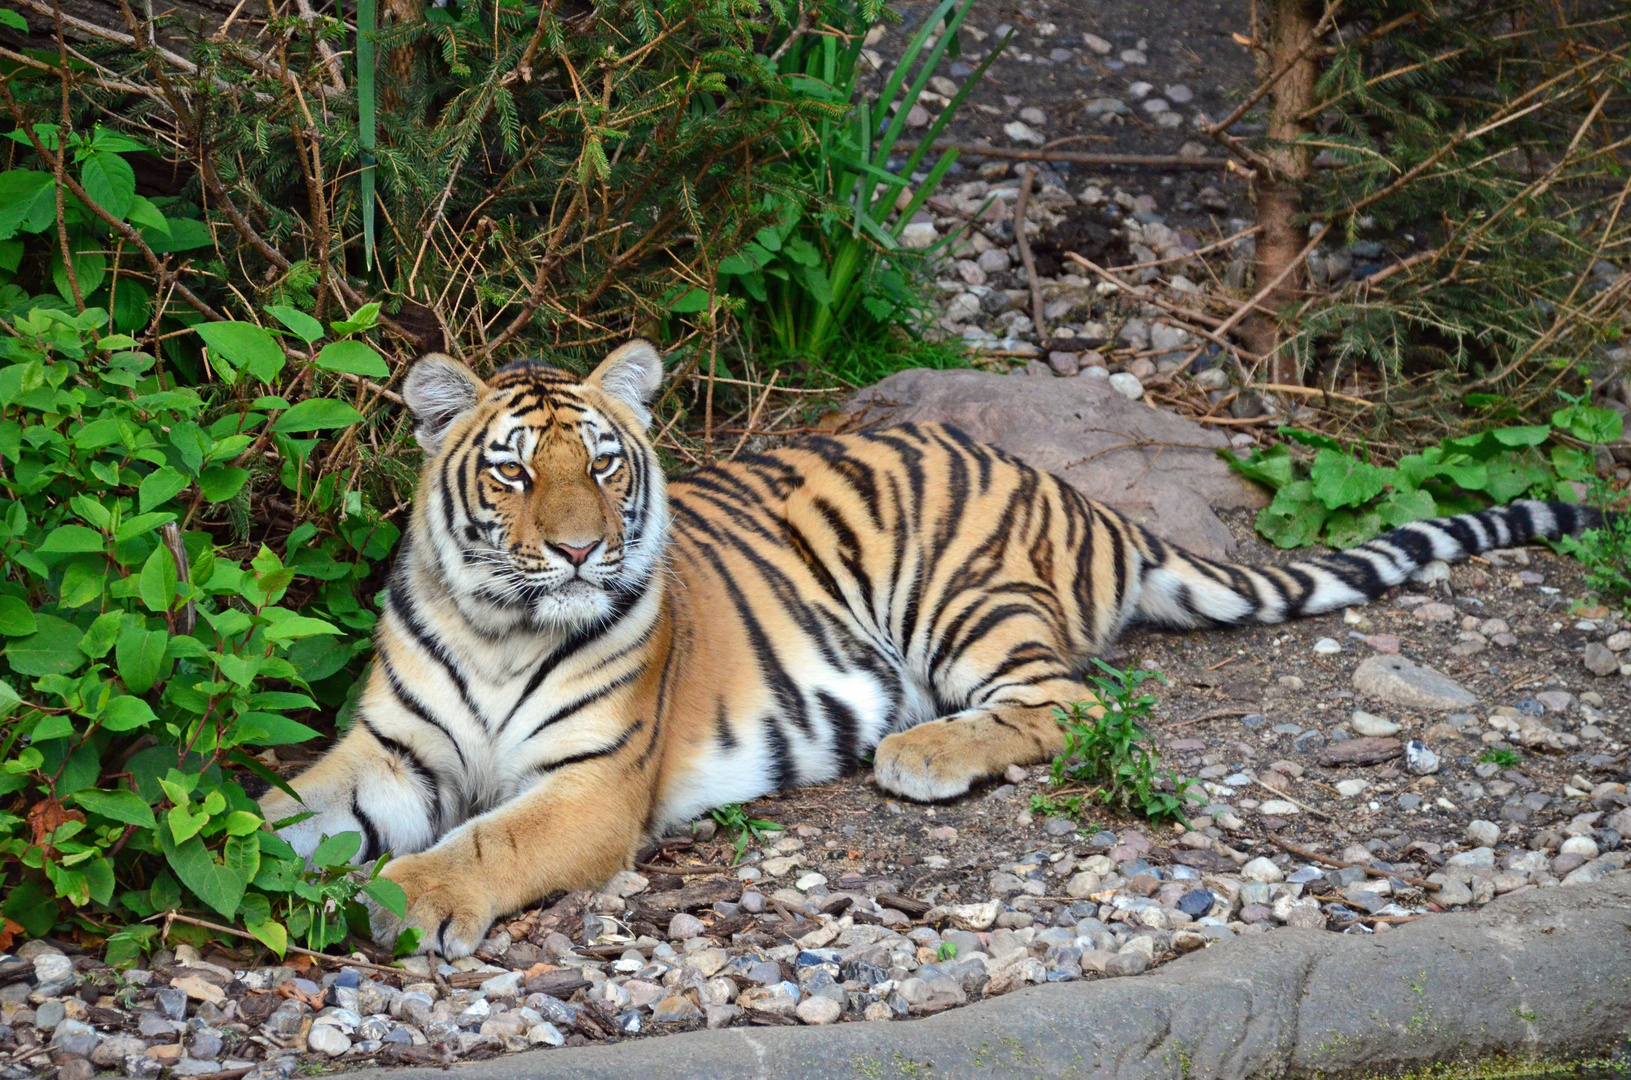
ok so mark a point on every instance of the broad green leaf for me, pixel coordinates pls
(300, 626)
(1403, 507)
(1342, 480)
(160, 486)
(407, 942)
(365, 318)
(1295, 516)
(354, 358)
(110, 182)
(222, 482)
(90, 270)
(119, 805)
(1522, 436)
(28, 202)
(127, 948)
(31, 907)
(1274, 467)
(145, 215)
(127, 713)
(242, 823)
(236, 346)
(72, 538)
(304, 326)
(158, 580)
(276, 730)
(242, 855)
(141, 525)
(53, 649)
(140, 656)
(186, 234)
(272, 934)
(99, 639)
(52, 726)
(388, 894)
(316, 414)
(16, 619)
(690, 302)
(337, 850)
(218, 886)
(185, 822)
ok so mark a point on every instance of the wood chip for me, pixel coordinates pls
(904, 904)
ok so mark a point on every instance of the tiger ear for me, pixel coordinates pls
(439, 390)
(631, 375)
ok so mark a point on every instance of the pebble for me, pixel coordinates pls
(1327, 647)
(819, 1010)
(1599, 660)
(1021, 132)
(1261, 870)
(1419, 759)
(1127, 385)
(328, 1039)
(1369, 724)
(1097, 44)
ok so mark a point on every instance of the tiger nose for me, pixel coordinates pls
(575, 555)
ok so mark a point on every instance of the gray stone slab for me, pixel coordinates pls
(1154, 467)
(1545, 973)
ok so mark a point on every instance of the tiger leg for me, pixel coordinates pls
(571, 830)
(368, 783)
(1008, 674)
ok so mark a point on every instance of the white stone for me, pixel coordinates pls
(1261, 869)
(1365, 723)
(1483, 833)
(1278, 808)
(328, 1039)
(1327, 647)
(918, 235)
(819, 1010)
(1579, 845)
(545, 1035)
(1097, 44)
(1349, 789)
(1021, 132)
(1127, 385)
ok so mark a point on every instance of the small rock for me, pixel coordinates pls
(683, 927)
(199, 989)
(1599, 660)
(1482, 833)
(1583, 846)
(1021, 132)
(819, 1010)
(1419, 759)
(1261, 869)
(1401, 682)
(1097, 44)
(1278, 808)
(1127, 385)
(1350, 789)
(1369, 724)
(1015, 774)
(328, 1039)
(547, 1034)
(1327, 647)
(1434, 612)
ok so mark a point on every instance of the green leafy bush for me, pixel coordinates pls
(1112, 760)
(734, 819)
(828, 277)
(1340, 498)
(143, 660)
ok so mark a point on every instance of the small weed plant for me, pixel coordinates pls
(1111, 760)
(734, 819)
(1506, 759)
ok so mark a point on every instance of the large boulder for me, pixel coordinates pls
(1152, 466)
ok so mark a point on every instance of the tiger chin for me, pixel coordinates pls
(576, 653)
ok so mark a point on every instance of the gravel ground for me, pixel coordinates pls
(1317, 749)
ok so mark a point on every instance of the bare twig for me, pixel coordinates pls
(1028, 178)
(1370, 871)
(1075, 157)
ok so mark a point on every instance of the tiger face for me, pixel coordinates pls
(542, 498)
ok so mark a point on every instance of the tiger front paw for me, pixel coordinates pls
(928, 763)
(450, 911)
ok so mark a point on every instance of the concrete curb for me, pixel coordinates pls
(1543, 974)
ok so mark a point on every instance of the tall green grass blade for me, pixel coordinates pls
(951, 108)
(366, 121)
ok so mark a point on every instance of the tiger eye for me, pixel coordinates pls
(603, 462)
(511, 470)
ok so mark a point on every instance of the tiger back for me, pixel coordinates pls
(576, 654)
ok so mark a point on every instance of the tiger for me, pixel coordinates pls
(575, 654)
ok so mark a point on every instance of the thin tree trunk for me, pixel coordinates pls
(1280, 196)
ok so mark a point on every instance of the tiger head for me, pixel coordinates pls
(541, 504)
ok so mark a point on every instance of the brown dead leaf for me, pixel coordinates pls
(8, 933)
(290, 990)
(47, 816)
